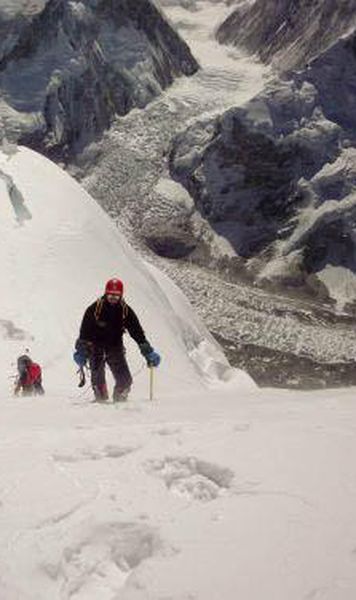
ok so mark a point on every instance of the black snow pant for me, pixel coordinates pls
(32, 389)
(115, 358)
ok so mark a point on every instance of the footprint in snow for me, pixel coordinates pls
(109, 451)
(168, 430)
(192, 477)
(98, 563)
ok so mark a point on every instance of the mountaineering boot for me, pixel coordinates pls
(101, 393)
(38, 388)
(121, 396)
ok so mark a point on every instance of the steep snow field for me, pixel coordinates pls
(212, 490)
(59, 249)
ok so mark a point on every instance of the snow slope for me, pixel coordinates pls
(192, 497)
(203, 494)
(58, 249)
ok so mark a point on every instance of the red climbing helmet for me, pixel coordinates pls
(114, 287)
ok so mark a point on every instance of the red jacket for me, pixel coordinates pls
(33, 374)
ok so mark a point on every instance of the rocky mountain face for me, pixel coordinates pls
(288, 32)
(276, 178)
(69, 66)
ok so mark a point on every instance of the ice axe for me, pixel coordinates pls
(151, 382)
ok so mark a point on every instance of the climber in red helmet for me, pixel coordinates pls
(101, 342)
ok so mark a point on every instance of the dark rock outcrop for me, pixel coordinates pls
(277, 177)
(288, 32)
(66, 71)
(170, 226)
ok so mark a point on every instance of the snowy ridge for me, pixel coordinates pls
(71, 532)
(58, 250)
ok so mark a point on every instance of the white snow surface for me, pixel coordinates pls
(211, 491)
(340, 283)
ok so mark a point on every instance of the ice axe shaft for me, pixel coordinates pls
(151, 383)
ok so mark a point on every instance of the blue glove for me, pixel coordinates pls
(153, 359)
(83, 350)
(80, 358)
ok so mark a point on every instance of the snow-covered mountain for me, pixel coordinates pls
(68, 67)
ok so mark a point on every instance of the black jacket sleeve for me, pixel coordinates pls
(134, 327)
(87, 327)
